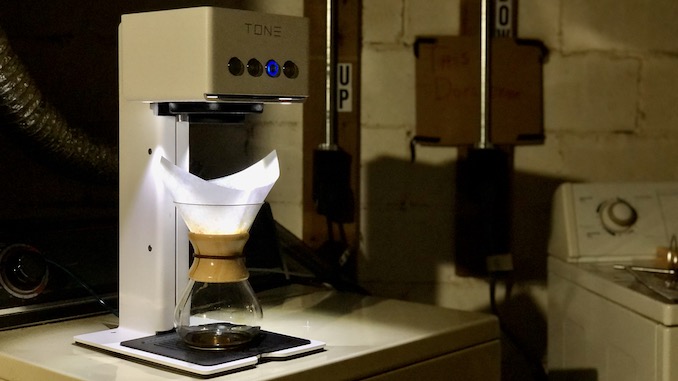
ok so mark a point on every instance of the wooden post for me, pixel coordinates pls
(348, 119)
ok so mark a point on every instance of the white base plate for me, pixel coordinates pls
(110, 341)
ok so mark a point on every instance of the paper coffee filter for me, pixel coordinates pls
(218, 219)
(226, 205)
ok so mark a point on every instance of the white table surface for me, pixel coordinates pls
(364, 336)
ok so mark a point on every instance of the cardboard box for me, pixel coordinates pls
(448, 90)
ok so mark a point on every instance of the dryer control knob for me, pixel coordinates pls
(617, 215)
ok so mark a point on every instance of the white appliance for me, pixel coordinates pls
(178, 67)
(607, 321)
(367, 338)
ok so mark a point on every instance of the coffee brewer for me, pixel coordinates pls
(178, 67)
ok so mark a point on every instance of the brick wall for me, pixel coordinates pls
(609, 103)
(610, 115)
(609, 109)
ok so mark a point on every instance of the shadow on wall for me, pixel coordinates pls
(532, 198)
(409, 221)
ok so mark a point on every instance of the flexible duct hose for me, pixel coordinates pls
(23, 106)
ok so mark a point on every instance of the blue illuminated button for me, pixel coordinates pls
(272, 68)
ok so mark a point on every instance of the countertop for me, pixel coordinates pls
(364, 336)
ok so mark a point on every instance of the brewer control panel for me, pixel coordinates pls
(213, 54)
(612, 221)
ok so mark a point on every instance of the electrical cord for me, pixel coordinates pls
(84, 285)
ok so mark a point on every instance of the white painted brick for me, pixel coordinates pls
(382, 21)
(387, 83)
(608, 98)
(435, 155)
(451, 291)
(286, 138)
(603, 81)
(289, 215)
(539, 20)
(546, 159)
(287, 141)
(431, 17)
(590, 92)
(379, 142)
(610, 157)
(401, 184)
(468, 294)
(659, 89)
(471, 294)
(405, 244)
(388, 177)
(279, 113)
(648, 25)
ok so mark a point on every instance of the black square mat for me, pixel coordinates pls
(170, 345)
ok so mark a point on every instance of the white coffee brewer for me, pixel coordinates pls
(177, 67)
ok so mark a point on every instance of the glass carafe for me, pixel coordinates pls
(218, 308)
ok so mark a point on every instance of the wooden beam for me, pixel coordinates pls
(348, 122)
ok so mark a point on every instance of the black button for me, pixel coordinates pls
(290, 69)
(235, 66)
(255, 68)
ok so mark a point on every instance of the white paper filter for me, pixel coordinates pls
(226, 205)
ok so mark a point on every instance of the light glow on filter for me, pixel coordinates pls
(227, 205)
(249, 186)
(218, 219)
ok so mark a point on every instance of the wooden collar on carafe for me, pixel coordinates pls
(218, 258)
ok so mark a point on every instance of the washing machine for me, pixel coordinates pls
(613, 312)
